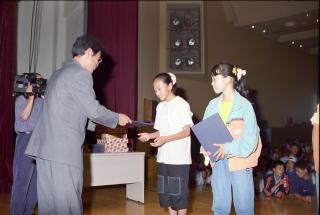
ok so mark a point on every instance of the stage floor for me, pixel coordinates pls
(112, 200)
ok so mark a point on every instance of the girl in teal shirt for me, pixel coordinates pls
(228, 81)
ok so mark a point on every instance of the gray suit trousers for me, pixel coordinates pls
(59, 188)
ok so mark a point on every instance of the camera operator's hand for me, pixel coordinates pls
(29, 90)
(124, 119)
(25, 113)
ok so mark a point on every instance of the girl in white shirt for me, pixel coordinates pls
(173, 122)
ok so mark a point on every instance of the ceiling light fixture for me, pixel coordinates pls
(264, 31)
(300, 46)
(190, 61)
(252, 26)
(292, 42)
(289, 24)
(178, 43)
(317, 20)
(191, 42)
(178, 62)
(175, 21)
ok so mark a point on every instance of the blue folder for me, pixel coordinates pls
(210, 131)
(137, 123)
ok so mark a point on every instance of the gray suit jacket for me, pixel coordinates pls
(69, 102)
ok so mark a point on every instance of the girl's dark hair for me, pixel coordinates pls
(84, 42)
(165, 78)
(225, 69)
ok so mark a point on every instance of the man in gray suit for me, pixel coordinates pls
(56, 142)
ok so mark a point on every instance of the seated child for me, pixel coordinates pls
(302, 185)
(277, 183)
(200, 174)
(203, 175)
(276, 154)
(294, 150)
(290, 170)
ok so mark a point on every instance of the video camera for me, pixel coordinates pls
(21, 83)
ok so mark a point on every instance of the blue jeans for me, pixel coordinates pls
(24, 188)
(241, 182)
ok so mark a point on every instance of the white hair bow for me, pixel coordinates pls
(173, 78)
(240, 73)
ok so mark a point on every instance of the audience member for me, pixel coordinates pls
(302, 186)
(276, 154)
(290, 164)
(290, 169)
(294, 150)
(203, 175)
(277, 183)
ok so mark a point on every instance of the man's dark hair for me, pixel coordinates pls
(277, 163)
(84, 42)
(303, 164)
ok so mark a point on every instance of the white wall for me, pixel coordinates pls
(148, 51)
(286, 79)
(61, 23)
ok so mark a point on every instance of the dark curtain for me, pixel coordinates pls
(115, 24)
(8, 12)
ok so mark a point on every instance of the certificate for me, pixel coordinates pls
(137, 123)
(211, 131)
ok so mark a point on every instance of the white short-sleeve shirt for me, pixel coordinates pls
(171, 117)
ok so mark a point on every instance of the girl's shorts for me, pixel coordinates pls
(172, 185)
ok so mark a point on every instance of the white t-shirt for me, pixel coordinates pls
(171, 117)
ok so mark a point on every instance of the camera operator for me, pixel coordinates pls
(24, 188)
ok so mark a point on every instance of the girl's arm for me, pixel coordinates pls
(144, 137)
(154, 135)
(244, 146)
(164, 139)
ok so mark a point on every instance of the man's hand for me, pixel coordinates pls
(123, 119)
